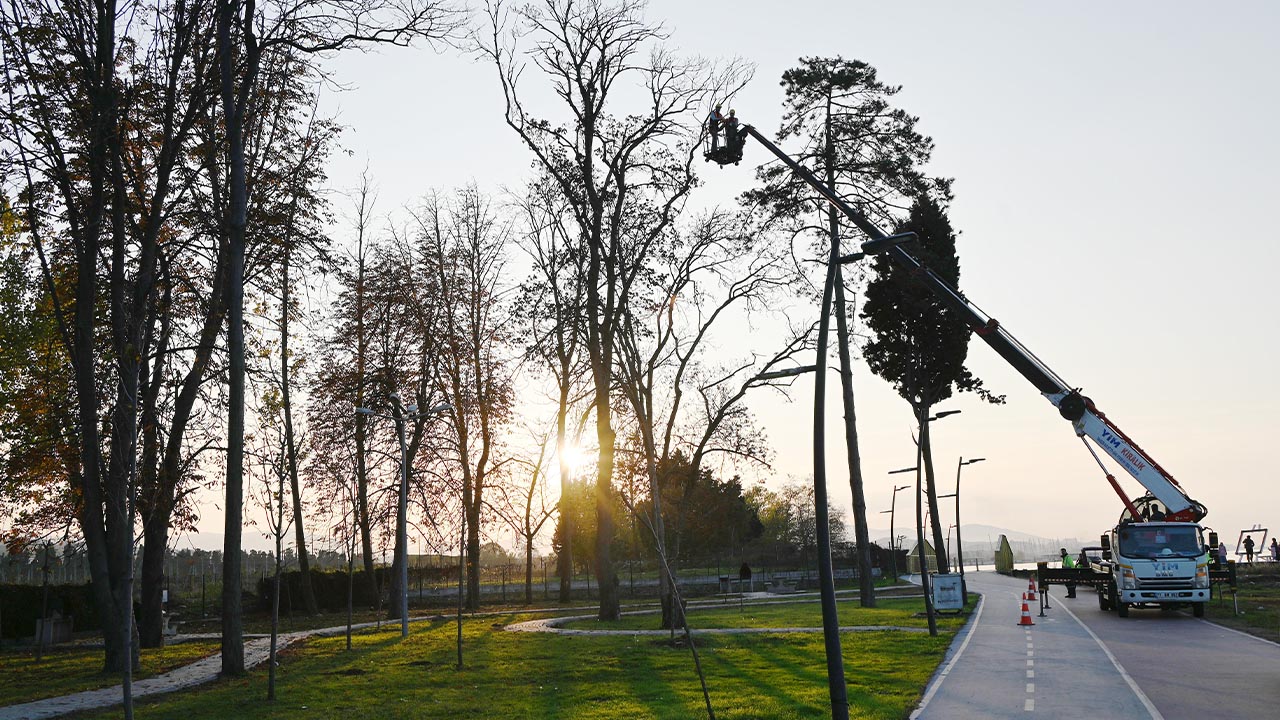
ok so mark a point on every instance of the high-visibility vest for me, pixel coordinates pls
(1067, 562)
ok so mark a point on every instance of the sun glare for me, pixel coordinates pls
(577, 458)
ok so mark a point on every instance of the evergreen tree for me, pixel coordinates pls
(918, 344)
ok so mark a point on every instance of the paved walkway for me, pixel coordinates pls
(554, 625)
(203, 671)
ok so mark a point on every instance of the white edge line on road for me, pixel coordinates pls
(1239, 632)
(969, 629)
(1133, 685)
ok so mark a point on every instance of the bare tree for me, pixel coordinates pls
(713, 270)
(524, 507)
(625, 174)
(550, 306)
(466, 243)
(245, 32)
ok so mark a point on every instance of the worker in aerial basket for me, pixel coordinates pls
(1068, 564)
(715, 123)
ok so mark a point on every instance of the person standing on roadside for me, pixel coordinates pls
(1068, 564)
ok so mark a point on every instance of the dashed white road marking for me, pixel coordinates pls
(1031, 663)
(1030, 704)
(1031, 653)
(1031, 673)
(1031, 687)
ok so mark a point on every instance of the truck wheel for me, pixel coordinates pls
(1103, 603)
(1197, 609)
(1123, 609)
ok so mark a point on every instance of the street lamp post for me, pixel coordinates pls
(398, 414)
(826, 580)
(949, 529)
(924, 564)
(964, 588)
(893, 551)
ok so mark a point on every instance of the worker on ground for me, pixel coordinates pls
(1275, 550)
(1222, 554)
(1248, 548)
(1068, 564)
(715, 121)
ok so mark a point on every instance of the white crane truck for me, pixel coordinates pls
(1158, 554)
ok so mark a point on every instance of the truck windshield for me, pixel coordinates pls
(1154, 541)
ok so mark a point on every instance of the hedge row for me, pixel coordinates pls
(20, 608)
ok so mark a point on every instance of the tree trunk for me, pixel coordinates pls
(862, 537)
(605, 577)
(528, 570)
(473, 553)
(564, 559)
(931, 492)
(291, 445)
(155, 538)
(866, 584)
(237, 218)
(600, 349)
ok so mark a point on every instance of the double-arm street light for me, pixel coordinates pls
(924, 564)
(398, 414)
(893, 551)
(964, 589)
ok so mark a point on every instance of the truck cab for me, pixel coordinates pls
(1158, 563)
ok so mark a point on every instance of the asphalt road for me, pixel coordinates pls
(1079, 662)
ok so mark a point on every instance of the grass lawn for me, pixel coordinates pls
(806, 613)
(1258, 596)
(68, 670)
(535, 675)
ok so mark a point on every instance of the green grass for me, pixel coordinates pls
(803, 613)
(522, 675)
(68, 670)
(1258, 597)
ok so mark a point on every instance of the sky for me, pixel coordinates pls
(1114, 166)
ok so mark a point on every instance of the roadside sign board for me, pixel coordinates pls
(946, 592)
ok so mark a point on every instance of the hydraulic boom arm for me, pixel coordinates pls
(1087, 420)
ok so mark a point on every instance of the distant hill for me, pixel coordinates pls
(980, 542)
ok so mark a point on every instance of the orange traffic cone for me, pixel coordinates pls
(1026, 613)
(1031, 589)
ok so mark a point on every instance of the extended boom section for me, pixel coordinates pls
(1079, 410)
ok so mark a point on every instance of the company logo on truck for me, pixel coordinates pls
(1115, 443)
